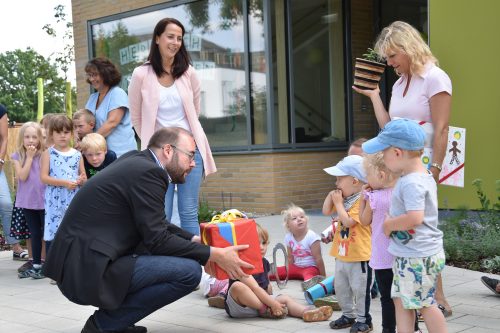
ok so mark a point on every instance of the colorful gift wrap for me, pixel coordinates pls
(321, 289)
(238, 232)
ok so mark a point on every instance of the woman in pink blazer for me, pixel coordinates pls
(165, 92)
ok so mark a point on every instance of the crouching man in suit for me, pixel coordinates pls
(115, 250)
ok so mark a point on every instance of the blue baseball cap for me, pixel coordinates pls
(351, 165)
(400, 133)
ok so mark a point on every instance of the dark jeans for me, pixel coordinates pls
(384, 283)
(156, 282)
(384, 277)
(35, 218)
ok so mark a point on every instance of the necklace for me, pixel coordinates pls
(100, 97)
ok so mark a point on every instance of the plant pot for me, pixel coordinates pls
(367, 73)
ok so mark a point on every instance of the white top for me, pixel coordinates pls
(301, 251)
(170, 110)
(415, 104)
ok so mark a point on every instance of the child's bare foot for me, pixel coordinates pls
(268, 313)
(318, 314)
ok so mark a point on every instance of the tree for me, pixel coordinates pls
(66, 58)
(18, 91)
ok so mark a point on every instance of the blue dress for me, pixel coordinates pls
(121, 139)
(63, 165)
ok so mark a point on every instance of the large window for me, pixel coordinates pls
(272, 71)
(216, 38)
(308, 71)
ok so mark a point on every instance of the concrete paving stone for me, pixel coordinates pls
(35, 306)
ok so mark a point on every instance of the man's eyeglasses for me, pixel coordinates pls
(188, 154)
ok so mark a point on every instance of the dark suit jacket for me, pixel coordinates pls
(118, 211)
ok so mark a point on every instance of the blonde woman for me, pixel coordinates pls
(423, 92)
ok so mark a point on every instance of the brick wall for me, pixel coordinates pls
(266, 183)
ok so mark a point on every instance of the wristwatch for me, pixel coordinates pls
(2, 161)
(437, 166)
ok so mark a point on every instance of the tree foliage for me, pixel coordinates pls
(18, 88)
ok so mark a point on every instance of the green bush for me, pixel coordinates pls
(205, 212)
(471, 237)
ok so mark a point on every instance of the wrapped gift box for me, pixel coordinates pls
(237, 232)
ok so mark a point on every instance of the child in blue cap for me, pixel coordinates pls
(351, 246)
(415, 240)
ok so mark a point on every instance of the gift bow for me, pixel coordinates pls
(227, 216)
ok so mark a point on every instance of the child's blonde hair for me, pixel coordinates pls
(263, 234)
(287, 214)
(402, 36)
(86, 115)
(375, 162)
(21, 150)
(93, 142)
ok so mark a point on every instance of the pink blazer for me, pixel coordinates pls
(144, 99)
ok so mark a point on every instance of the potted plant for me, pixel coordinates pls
(368, 70)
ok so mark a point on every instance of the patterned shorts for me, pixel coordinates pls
(415, 280)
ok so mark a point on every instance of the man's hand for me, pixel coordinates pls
(228, 259)
(196, 239)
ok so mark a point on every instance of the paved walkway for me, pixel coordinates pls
(36, 306)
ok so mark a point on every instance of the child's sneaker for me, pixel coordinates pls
(27, 265)
(312, 282)
(35, 273)
(329, 300)
(359, 327)
(318, 314)
(216, 301)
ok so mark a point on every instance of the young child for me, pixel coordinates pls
(96, 155)
(252, 296)
(45, 122)
(30, 191)
(304, 250)
(63, 171)
(415, 240)
(351, 246)
(374, 205)
(83, 124)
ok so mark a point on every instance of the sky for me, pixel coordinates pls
(21, 23)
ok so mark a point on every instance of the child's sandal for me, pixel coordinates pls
(23, 255)
(317, 314)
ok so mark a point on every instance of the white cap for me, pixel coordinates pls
(351, 165)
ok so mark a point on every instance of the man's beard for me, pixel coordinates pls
(176, 173)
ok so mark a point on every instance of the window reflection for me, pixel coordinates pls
(215, 41)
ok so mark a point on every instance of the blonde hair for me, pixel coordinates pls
(86, 115)
(375, 162)
(263, 234)
(93, 142)
(402, 36)
(287, 214)
(21, 150)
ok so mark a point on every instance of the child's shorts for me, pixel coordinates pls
(415, 280)
(234, 310)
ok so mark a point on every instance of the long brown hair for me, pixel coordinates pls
(181, 58)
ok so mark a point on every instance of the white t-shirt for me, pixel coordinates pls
(301, 251)
(170, 110)
(415, 105)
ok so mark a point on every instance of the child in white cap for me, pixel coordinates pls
(415, 241)
(351, 246)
